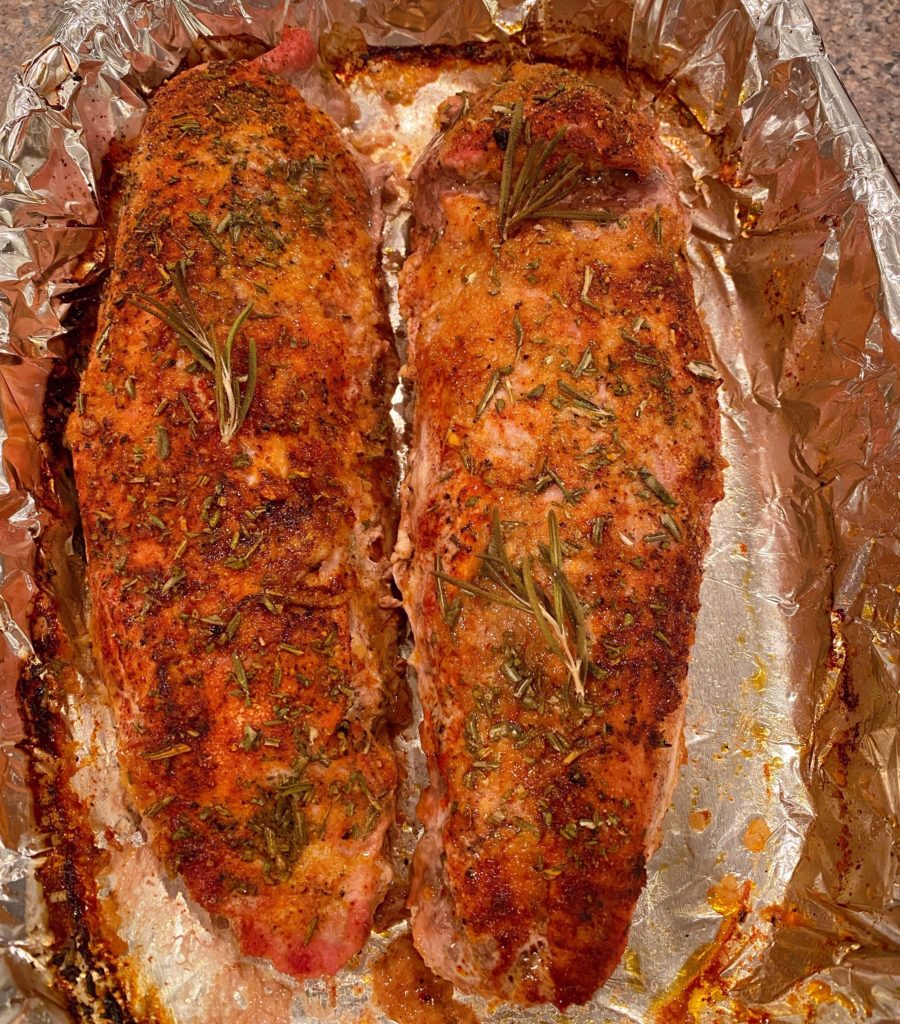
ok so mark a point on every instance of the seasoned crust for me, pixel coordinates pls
(601, 131)
(236, 582)
(552, 379)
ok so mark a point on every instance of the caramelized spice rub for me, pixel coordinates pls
(232, 458)
(563, 469)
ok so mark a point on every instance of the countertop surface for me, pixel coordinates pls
(863, 41)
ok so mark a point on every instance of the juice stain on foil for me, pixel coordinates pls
(728, 896)
(760, 675)
(631, 961)
(407, 991)
(818, 993)
(756, 835)
(699, 986)
(700, 819)
(702, 990)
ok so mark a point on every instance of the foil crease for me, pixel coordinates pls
(779, 866)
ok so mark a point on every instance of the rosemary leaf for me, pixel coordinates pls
(656, 488)
(657, 226)
(166, 752)
(598, 216)
(512, 142)
(520, 335)
(538, 610)
(585, 363)
(585, 289)
(162, 442)
(556, 563)
(702, 370)
(576, 614)
(449, 609)
(489, 392)
(473, 591)
(671, 525)
(559, 617)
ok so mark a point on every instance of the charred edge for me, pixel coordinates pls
(348, 57)
(65, 376)
(85, 971)
(346, 62)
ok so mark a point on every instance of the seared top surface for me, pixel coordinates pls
(564, 465)
(236, 564)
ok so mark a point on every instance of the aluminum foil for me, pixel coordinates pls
(776, 892)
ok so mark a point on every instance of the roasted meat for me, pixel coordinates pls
(234, 470)
(563, 469)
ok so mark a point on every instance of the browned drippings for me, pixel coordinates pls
(699, 985)
(408, 992)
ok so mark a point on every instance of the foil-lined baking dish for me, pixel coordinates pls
(774, 894)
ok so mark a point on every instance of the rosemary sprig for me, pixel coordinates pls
(530, 193)
(559, 615)
(233, 393)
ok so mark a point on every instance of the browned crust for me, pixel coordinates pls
(349, 56)
(499, 876)
(227, 591)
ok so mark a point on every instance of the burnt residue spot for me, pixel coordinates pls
(577, 777)
(65, 375)
(346, 54)
(114, 1012)
(501, 137)
(71, 890)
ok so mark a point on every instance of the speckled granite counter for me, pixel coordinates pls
(862, 39)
